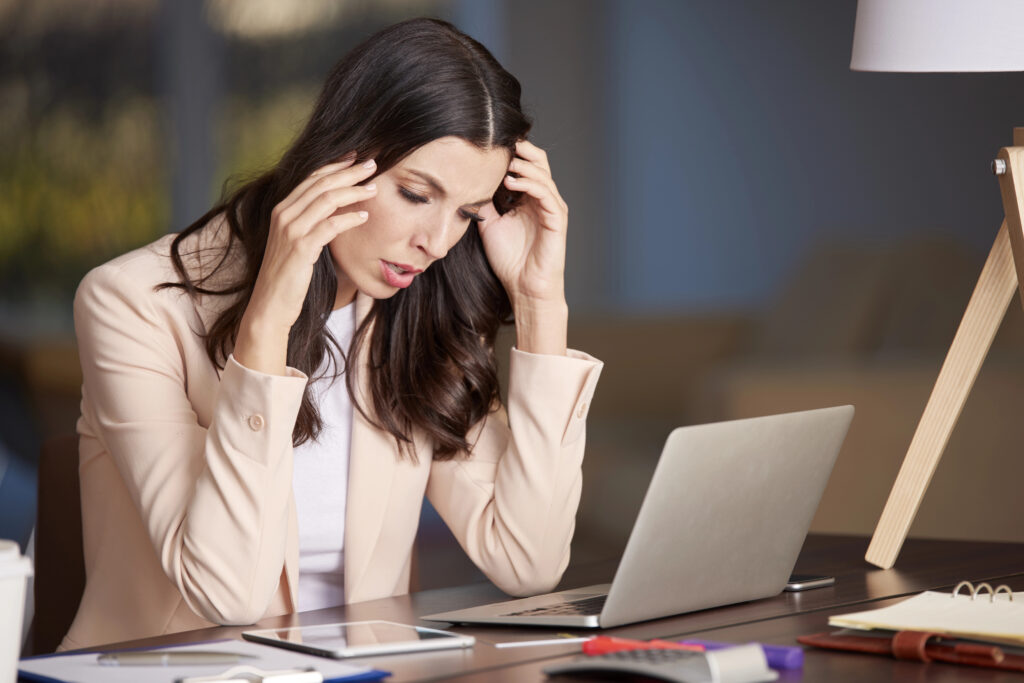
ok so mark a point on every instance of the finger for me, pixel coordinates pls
(328, 203)
(325, 177)
(488, 212)
(537, 174)
(539, 191)
(342, 177)
(326, 184)
(528, 169)
(531, 152)
(343, 163)
(329, 228)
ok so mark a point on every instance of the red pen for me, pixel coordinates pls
(602, 645)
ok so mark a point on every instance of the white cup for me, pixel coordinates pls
(14, 572)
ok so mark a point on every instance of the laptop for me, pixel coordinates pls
(723, 520)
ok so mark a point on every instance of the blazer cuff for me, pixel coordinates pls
(262, 408)
(561, 386)
(289, 371)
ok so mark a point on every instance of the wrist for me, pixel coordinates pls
(554, 304)
(261, 346)
(541, 326)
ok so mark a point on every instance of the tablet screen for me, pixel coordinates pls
(360, 637)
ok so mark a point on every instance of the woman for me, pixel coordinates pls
(269, 394)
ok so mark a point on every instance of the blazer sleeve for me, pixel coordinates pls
(512, 503)
(214, 499)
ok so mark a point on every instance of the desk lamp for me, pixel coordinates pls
(950, 36)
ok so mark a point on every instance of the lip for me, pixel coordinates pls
(405, 267)
(400, 280)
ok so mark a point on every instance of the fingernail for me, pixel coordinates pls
(372, 187)
(364, 215)
(369, 163)
(511, 178)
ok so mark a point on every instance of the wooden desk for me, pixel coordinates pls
(923, 565)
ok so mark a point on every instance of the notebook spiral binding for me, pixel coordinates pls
(973, 590)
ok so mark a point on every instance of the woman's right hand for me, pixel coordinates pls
(301, 225)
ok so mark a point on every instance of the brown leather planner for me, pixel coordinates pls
(920, 646)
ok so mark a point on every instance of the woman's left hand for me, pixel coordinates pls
(526, 246)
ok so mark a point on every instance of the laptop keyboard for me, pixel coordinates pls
(586, 606)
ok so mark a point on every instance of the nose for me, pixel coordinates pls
(433, 239)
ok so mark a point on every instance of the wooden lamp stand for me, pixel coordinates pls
(1002, 274)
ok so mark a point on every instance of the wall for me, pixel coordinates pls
(734, 136)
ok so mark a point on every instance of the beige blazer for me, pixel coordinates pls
(187, 506)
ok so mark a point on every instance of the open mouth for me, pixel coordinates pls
(398, 275)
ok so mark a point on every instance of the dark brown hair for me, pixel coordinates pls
(431, 349)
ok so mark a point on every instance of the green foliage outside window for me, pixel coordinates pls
(79, 190)
(76, 189)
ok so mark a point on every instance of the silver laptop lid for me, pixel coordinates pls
(726, 513)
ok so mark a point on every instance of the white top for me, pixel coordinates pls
(320, 481)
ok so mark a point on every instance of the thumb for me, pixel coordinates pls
(490, 216)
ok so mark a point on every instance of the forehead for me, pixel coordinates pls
(468, 173)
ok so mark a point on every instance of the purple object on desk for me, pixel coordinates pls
(778, 656)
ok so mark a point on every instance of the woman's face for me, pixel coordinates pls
(423, 206)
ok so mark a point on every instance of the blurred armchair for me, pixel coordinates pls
(871, 327)
(865, 325)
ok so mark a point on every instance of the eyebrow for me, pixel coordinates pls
(436, 184)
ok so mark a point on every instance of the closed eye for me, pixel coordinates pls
(420, 199)
(412, 196)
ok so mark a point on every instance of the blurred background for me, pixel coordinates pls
(754, 227)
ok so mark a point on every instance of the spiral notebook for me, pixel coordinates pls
(976, 612)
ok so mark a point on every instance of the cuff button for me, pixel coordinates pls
(256, 422)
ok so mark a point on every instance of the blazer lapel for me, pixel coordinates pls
(373, 457)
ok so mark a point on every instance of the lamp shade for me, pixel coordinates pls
(939, 35)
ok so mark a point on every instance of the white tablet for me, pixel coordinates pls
(359, 638)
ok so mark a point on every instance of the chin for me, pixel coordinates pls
(379, 291)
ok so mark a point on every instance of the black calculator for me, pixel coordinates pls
(675, 666)
(678, 666)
